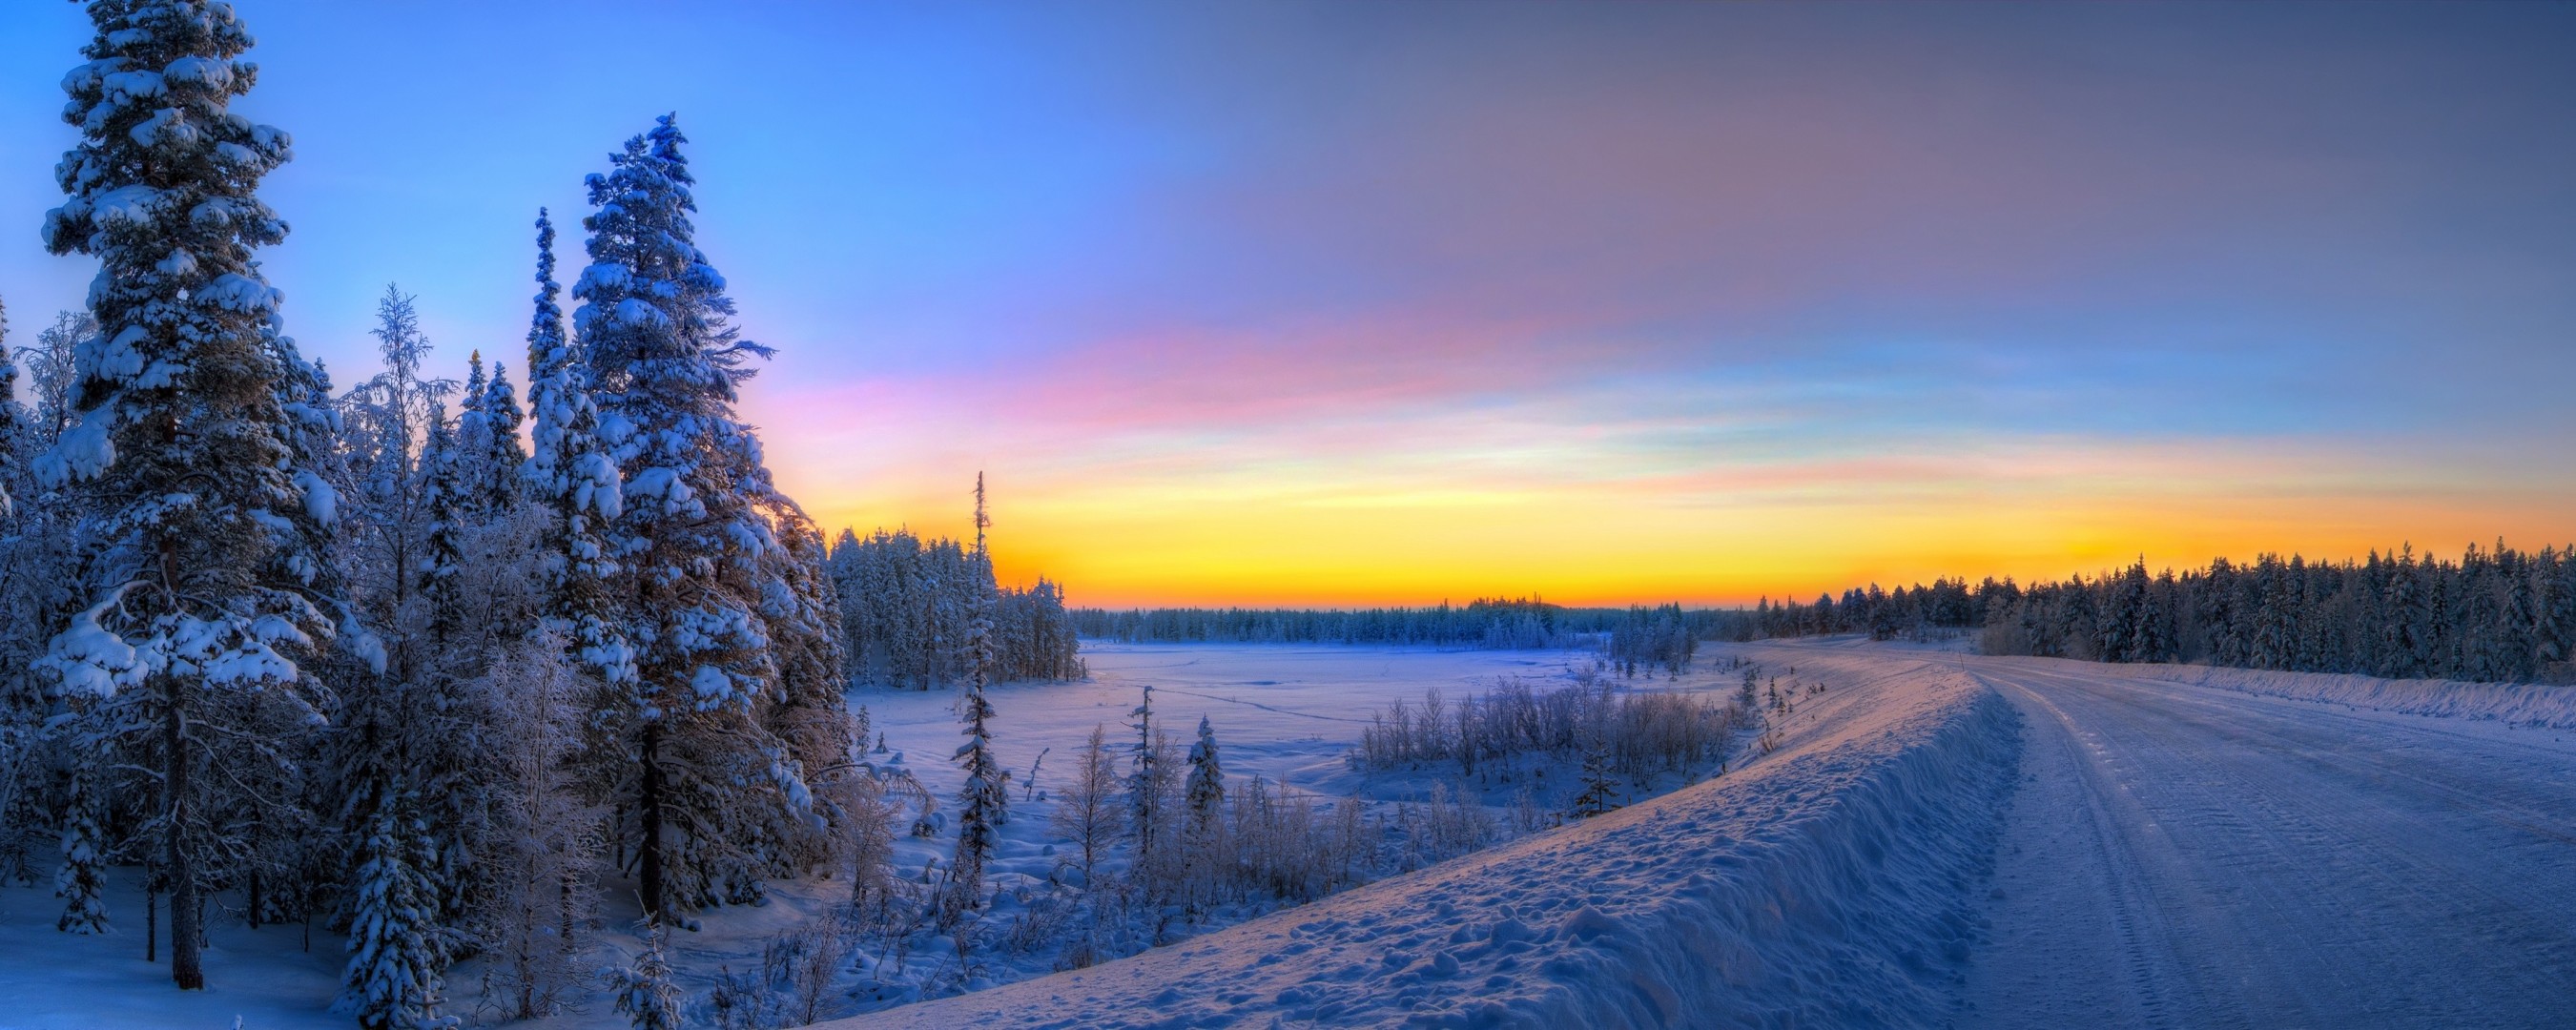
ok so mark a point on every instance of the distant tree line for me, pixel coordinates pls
(1491, 623)
(2494, 615)
(907, 603)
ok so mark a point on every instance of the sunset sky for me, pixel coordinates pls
(1339, 304)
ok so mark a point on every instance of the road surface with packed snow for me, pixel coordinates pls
(2188, 855)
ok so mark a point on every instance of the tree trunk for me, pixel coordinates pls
(648, 810)
(185, 964)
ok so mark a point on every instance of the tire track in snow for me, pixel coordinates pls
(2314, 868)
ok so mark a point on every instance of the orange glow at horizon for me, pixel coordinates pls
(1317, 541)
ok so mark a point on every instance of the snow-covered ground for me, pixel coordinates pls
(2183, 847)
(2186, 856)
(1285, 713)
(2178, 846)
(1824, 884)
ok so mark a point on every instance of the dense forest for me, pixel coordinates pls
(414, 661)
(2494, 615)
(906, 604)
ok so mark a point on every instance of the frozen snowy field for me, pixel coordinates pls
(1285, 713)
(2177, 848)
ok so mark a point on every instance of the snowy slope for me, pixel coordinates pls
(1828, 883)
(2521, 704)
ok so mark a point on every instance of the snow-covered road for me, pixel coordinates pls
(2186, 856)
(2181, 848)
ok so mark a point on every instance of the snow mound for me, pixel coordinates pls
(2519, 704)
(1827, 884)
(2516, 704)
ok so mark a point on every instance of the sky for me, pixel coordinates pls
(1343, 304)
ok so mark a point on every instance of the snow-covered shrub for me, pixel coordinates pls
(1642, 734)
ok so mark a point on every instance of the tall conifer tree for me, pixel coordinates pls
(199, 567)
(694, 547)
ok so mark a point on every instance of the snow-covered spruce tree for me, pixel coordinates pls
(469, 402)
(695, 551)
(984, 802)
(1206, 785)
(985, 799)
(443, 495)
(396, 944)
(81, 881)
(13, 428)
(978, 804)
(1600, 786)
(293, 865)
(643, 988)
(200, 555)
(570, 471)
(495, 456)
(1203, 833)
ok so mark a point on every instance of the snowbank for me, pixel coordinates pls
(2519, 704)
(1826, 884)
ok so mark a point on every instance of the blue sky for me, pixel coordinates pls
(1795, 293)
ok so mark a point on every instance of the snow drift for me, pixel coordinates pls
(2518, 704)
(1826, 884)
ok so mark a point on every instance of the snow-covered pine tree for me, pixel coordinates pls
(1203, 834)
(444, 495)
(178, 462)
(570, 471)
(500, 463)
(977, 829)
(691, 540)
(2556, 579)
(983, 804)
(492, 464)
(2408, 645)
(13, 427)
(1600, 786)
(470, 427)
(397, 947)
(1205, 788)
(406, 744)
(82, 880)
(643, 989)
